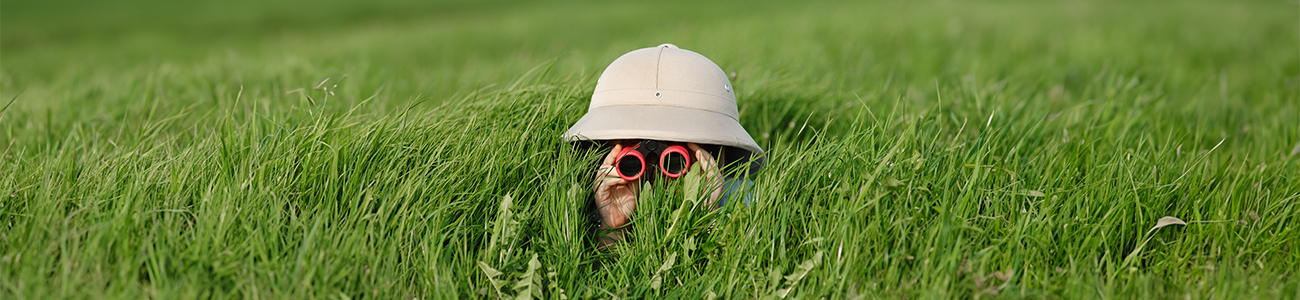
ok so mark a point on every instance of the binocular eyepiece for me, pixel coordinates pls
(673, 159)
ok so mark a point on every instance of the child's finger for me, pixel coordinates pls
(700, 155)
(607, 180)
(613, 154)
(706, 162)
(603, 174)
(696, 148)
(705, 159)
(612, 181)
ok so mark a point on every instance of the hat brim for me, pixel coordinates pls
(664, 123)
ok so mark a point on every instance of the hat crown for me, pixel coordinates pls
(666, 76)
(668, 94)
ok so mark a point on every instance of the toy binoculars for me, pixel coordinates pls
(673, 159)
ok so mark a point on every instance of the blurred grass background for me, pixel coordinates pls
(340, 149)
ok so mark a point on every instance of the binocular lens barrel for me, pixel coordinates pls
(674, 161)
(630, 164)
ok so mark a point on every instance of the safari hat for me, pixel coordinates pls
(669, 94)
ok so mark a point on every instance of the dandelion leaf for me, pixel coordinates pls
(492, 274)
(529, 285)
(657, 280)
(891, 182)
(1032, 193)
(798, 274)
(692, 184)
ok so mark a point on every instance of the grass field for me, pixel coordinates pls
(393, 149)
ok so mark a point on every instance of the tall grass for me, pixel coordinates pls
(411, 150)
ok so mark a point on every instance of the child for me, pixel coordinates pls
(662, 108)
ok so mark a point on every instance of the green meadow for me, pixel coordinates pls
(392, 149)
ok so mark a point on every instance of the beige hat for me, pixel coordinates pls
(669, 94)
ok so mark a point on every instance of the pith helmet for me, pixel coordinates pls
(669, 94)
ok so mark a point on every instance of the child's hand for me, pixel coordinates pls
(711, 174)
(615, 198)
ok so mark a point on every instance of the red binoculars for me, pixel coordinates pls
(673, 159)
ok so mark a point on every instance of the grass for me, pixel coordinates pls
(394, 149)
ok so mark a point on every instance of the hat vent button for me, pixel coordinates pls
(657, 95)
